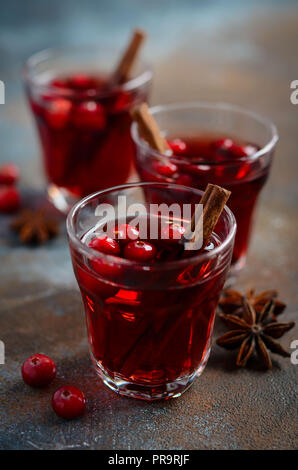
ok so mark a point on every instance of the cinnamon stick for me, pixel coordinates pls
(149, 129)
(213, 200)
(127, 61)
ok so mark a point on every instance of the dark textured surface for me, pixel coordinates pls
(219, 52)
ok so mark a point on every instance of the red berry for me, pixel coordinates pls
(122, 101)
(9, 173)
(94, 286)
(90, 115)
(178, 146)
(82, 82)
(125, 233)
(59, 83)
(185, 180)
(167, 169)
(174, 232)
(240, 151)
(139, 251)
(38, 370)
(10, 199)
(58, 113)
(106, 245)
(223, 145)
(69, 402)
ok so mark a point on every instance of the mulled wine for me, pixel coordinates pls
(149, 303)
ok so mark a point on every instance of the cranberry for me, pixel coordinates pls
(125, 233)
(38, 370)
(240, 151)
(122, 101)
(167, 169)
(9, 173)
(139, 251)
(94, 286)
(106, 245)
(59, 83)
(82, 82)
(58, 113)
(178, 146)
(222, 145)
(185, 180)
(174, 232)
(69, 402)
(10, 199)
(90, 115)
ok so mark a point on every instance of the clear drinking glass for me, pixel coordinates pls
(149, 326)
(83, 125)
(196, 161)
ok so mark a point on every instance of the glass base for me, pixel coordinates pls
(150, 392)
(61, 198)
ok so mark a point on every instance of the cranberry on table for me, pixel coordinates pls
(10, 199)
(38, 370)
(9, 173)
(125, 233)
(178, 146)
(69, 402)
(105, 244)
(140, 251)
(167, 169)
(90, 115)
(58, 113)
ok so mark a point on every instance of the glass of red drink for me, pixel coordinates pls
(83, 121)
(150, 305)
(213, 143)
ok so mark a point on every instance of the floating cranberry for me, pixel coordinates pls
(222, 145)
(106, 245)
(81, 82)
(69, 402)
(167, 169)
(139, 251)
(94, 286)
(125, 233)
(9, 173)
(178, 146)
(59, 83)
(185, 180)
(10, 199)
(174, 232)
(122, 101)
(38, 370)
(90, 115)
(241, 151)
(58, 113)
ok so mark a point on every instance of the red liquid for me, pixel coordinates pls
(85, 132)
(200, 162)
(159, 329)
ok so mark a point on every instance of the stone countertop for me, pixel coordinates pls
(242, 55)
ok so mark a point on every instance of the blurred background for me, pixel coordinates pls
(239, 52)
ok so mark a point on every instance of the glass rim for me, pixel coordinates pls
(45, 54)
(212, 105)
(85, 249)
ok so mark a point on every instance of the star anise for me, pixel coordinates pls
(254, 332)
(34, 226)
(231, 302)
